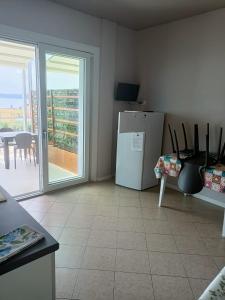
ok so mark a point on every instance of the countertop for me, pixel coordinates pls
(13, 215)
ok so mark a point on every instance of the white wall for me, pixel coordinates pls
(55, 20)
(107, 78)
(181, 68)
(120, 64)
(182, 71)
(125, 71)
(51, 19)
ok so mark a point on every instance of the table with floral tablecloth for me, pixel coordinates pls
(214, 176)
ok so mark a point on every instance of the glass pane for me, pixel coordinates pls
(19, 155)
(65, 117)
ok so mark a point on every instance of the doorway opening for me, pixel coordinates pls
(19, 151)
(44, 117)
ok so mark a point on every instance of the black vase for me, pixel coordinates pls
(190, 180)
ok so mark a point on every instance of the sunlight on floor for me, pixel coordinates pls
(25, 178)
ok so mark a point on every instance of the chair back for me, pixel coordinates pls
(23, 140)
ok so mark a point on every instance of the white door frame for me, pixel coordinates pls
(34, 38)
(42, 50)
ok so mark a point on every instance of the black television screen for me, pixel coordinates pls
(127, 92)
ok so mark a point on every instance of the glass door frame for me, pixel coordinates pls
(16, 40)
(42, 50)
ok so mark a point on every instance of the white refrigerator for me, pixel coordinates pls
(139, 144)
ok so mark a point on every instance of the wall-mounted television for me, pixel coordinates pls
(127, 92)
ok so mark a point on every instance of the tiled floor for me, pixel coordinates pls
(28, 174)
(115, 243)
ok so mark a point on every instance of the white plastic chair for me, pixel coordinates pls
(24, 142)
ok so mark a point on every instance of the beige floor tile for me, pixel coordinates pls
(107, 191)
(209, 230)
(69, 256)
(198, 286)
(151, 194)
(208, 217)
(219, 261)
(99, 259)
(66, 196)
(37, 215)
(156, 226)
(161, 243)
(47, 198)
(125, 192)
(80, 221)
(102, 238)
(61, 208)
(166, 264)
(65, 282)
(190, 245)
(104, 223)
(129, 212)
(96, 189)
(53, 219)
(132, 261)
(84, 210)
(149, 203)
(127, 201)
(40, 206)
(74, 236)
(131, 286)
(130, 224)
(131, 240)
(215, 247)
(185, 225)
(179, 215)
(54, 231)
(26, 203)
(183, 228)
(88, 199)
(199, 266)
(154, 214)
(94, 285)
(108, 200)
(107, 211)
(171, 288)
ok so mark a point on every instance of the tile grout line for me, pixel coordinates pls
(147, 249)
(81, 259)
(150, 269)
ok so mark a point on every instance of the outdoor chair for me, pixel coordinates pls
(24, 143)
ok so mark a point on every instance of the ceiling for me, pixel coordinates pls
(15, 54)
(19, 55)
(140, 14)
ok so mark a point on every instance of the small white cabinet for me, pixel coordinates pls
(139, 145)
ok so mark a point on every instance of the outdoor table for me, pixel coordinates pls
(214, 177)
(7, 136)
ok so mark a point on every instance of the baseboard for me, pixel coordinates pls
(105, 178)
(200, 196)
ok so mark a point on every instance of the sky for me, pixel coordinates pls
(11, 85)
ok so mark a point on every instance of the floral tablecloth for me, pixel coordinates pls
(214, 176)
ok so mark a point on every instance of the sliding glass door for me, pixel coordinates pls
(44, 117)
(19, 125)
(64, 92)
